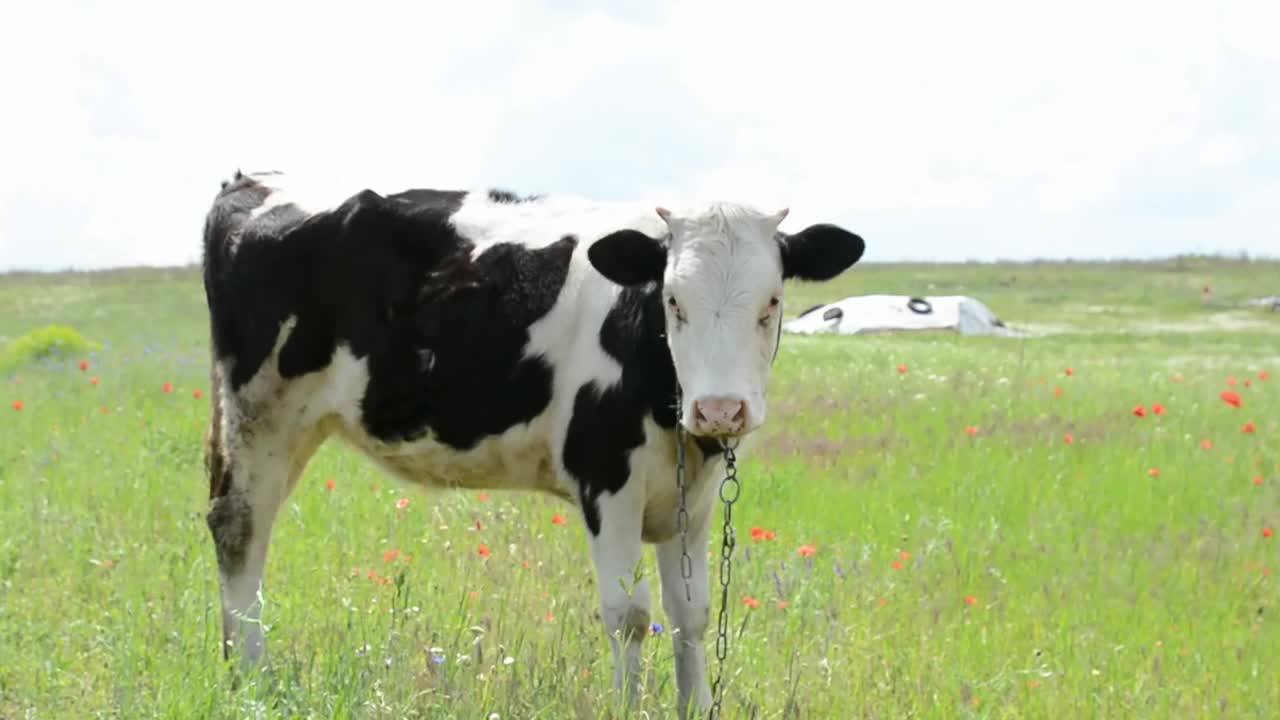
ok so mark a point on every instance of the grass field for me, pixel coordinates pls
(996, 532)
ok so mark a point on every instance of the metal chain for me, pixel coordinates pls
(682, 517)
(730, 488)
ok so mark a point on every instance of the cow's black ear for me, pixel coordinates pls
(819, 252)
(629, 257)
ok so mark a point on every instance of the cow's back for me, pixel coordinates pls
(428, 337)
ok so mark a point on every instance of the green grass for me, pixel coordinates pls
(1037, 579)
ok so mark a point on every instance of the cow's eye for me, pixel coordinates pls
(767, 315)
(675, 308)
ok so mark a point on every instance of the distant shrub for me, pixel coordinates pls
(49, 342)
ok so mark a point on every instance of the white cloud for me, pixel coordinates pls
(979, 129)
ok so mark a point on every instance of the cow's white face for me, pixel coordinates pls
(721, 270)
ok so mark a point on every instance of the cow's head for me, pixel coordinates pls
(720, 270)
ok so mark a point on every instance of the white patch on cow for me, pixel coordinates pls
(517, 459)
(624, 601)
(689, 614)
(267, 454)
(651, 467)
(541, 222)
(307, 196)
(724, 268)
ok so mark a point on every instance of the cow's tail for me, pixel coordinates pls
(230, 210)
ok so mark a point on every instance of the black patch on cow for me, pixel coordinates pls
(339, 273)
(608, 423)
(604, 428)
(471, 321)
(390, 278)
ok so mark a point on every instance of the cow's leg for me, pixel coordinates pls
(257, 465)
(689, 614)
(617, 551)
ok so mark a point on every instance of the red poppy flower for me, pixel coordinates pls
(1140, 411)
(390, 555)
(1154, 472)
(484, 551)
(1266, 532)
(17, 405)
(1232, 398)
(1257, 480)
(84, 364)
(402, 503)
(1263, 375)
(1232, 381)
(330, 484)
(168, 387)
(1248, 428)
(905, 555)
(1068, 439)
(93, 380)
(1057, 392)
(972, 430)
(558, 519)
(1157, 408)
(902, 368)
(1070, 372)
(757, 533)
(1206, 444)
(970, 600)
(196, 394)
(807, 550)
(483, 497)
(897, 565)
(751, 602)
(783, 604)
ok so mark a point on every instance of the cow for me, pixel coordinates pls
(479, 339)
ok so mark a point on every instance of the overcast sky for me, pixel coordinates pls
(938, 131)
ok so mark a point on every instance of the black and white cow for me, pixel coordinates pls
(481, 340)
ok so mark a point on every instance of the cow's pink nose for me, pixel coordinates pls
(719, 416)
